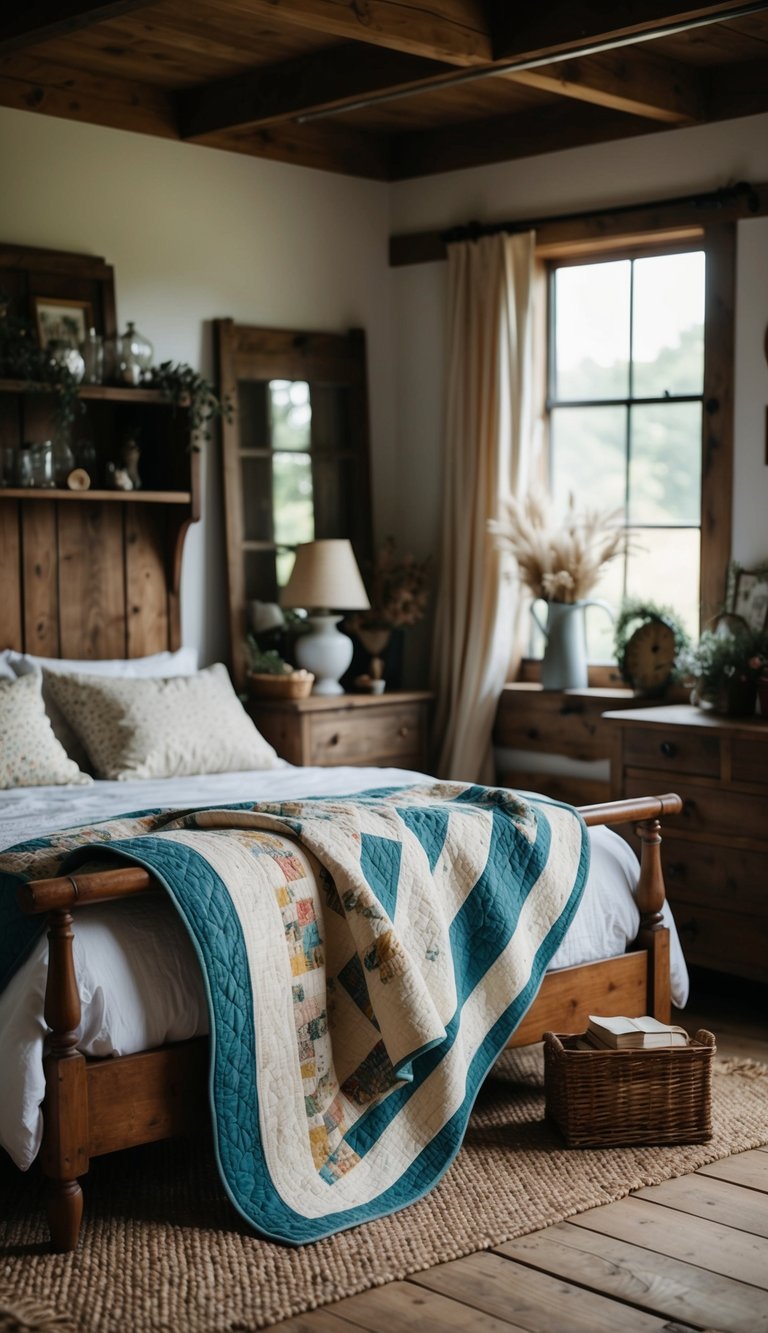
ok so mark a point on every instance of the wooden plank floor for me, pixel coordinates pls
(689, 1254)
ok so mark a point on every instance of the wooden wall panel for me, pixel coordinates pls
(145, 591)
(40, 578)
(11, 634)
(92, 580)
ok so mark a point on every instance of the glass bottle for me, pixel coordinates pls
(92, 350)
(24, 474)
(63, 460)
(42, 465)
(135, 354)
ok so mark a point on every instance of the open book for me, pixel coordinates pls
(633, 1033)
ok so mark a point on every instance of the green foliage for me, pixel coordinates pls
(267, 662)
(724, 656)
(184, 387)
(22, 358)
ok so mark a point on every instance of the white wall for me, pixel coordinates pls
(637, 170)
(196, 234)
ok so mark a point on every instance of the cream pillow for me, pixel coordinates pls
(182, 662)
(30, 755)
(171, 727)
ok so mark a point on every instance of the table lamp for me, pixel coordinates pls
(325, 575)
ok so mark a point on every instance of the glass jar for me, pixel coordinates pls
(63, 460)
(135, 354)
(42, 465)
(24, 473)
(7, 465)
(64, 353)
(92, 351)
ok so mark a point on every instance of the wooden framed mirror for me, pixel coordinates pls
(295, 456)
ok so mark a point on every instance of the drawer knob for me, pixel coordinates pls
(334, 739)
(688, 928)
(668, 749)
(674, 870)
(404, 731)
(532, 734)
(689, 809)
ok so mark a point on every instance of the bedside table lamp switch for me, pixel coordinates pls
(325, 575)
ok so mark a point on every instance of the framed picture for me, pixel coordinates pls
(65, 319)
(750, 597)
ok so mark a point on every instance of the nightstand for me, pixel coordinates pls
(716, 851)
(384, 730)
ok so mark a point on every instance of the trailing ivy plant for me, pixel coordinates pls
(22, 358)
(184, 387)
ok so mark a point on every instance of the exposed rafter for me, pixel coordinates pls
(637, 82)
(289, 91)
(26, 25)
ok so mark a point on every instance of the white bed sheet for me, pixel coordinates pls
(137, 973)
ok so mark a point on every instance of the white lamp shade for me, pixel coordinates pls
(325, 576)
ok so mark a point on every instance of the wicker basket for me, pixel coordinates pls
(611, 1098)
(264, 685)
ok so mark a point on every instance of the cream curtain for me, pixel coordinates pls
(488, 455)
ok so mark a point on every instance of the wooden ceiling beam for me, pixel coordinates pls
(29, 24)
(527, 31)
(507, 138)
(456, 31)
(636, 81)
(322, 81)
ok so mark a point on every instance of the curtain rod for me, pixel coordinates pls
(712, 199)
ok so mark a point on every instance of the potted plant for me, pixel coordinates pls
(269, 675)
(725, 666)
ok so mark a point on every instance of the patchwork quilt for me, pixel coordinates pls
(366, 959)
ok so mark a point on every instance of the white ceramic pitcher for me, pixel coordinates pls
(564, 665)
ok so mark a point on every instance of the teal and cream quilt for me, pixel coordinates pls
(366, 958)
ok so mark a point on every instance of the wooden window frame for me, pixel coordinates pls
(718, 241)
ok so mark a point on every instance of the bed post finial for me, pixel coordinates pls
(651, 936)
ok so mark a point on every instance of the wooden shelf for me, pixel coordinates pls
(117, 497)
(111, 393)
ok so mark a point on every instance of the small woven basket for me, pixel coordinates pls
(264, 685)
(612, 1098)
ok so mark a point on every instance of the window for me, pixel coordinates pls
(624, 404)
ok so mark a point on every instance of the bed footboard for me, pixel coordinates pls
(78, 1126)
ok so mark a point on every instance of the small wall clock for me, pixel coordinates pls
(647, 642)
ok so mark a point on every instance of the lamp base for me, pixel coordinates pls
(324, 651)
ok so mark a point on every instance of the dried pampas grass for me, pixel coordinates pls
(559, 562)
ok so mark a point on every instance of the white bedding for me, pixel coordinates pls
(138, 977)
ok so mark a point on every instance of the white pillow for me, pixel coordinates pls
(173, 726)
(181, 663)
(6, 670)
(30, 755)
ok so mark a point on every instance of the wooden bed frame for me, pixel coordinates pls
(95, 1106)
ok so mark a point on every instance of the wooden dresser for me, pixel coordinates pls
(387, 730)
(542, 728)
(716, 851)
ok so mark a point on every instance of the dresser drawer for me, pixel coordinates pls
(724, 941)
(711, 811)
(749, 761)
(722, 877)
(390, 735)
(679, 750)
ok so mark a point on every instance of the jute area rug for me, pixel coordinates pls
(163, 1250)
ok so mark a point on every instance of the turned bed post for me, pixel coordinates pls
(651, 935)
(64, 1151)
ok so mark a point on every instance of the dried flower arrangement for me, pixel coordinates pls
(559, 561)
(398, 590)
